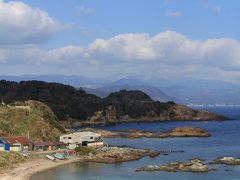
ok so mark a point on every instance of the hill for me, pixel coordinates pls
(182, 90)
(29, 118)
(153, 92)
(75, 107)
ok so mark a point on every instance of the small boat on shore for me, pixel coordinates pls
(59, 156)
(50, 157)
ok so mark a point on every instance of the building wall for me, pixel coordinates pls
(78, 139)
(95, 144)
(90, 138)
(15, 148)
(70, 139)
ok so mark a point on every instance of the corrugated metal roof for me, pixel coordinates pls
(48, 143)
(17, 139)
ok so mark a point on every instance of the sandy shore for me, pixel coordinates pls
(37, 161)
(25, 170)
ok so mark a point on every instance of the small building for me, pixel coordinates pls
(79, 139)
(19, 143)
(4, 146)
(49, 146)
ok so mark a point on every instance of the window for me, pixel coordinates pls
(69, 137)
(91, 137)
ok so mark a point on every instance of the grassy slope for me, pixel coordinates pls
(31, 116)
(9, 159)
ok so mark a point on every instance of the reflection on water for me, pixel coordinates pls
(224, 142)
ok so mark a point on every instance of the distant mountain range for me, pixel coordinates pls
(185, 91)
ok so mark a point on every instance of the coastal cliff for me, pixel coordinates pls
(136, 106)
(76, 108)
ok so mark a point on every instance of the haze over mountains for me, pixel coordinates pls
(188, 91)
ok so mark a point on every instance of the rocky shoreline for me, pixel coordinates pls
(37, 162)
(186, 131)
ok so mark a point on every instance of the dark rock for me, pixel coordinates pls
(194, 165)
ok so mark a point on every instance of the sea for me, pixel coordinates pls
(225, 141)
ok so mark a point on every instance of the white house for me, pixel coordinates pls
(78, 139)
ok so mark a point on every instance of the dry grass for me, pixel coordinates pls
(9, 159)
(38, 120)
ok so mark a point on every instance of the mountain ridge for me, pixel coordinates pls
(185, 91)
(75, 107)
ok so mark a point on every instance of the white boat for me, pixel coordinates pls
(50, 157)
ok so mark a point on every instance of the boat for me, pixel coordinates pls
(59, 156)
(50, 157)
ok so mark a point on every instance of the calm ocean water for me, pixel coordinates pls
(224, 142)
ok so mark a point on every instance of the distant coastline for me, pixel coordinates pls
(213, 105)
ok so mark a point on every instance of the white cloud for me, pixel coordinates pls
(170, 48)
(68, 54)
(174, 13)
(123, 47)
(22, 24)
(165, 53)
(166, 47)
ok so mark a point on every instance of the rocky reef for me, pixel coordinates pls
(186, 131)
(194, 165)
(226, 161)
(118, 154)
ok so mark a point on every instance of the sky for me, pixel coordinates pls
(143, 38)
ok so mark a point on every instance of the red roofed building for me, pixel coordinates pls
(19, 143)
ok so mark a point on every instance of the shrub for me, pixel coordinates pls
(85, 150)
(8, 159)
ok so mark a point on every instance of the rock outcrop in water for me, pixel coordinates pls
(117, 154)
(187, 131)
(75, 108)
(226, 161)
(194, 165)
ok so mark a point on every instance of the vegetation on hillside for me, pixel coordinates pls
(64, 100)
(135, 104)
(70, 103)
(76, 106)
(29, 118)
(9, 159)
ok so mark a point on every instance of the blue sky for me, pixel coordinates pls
(170, 38)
